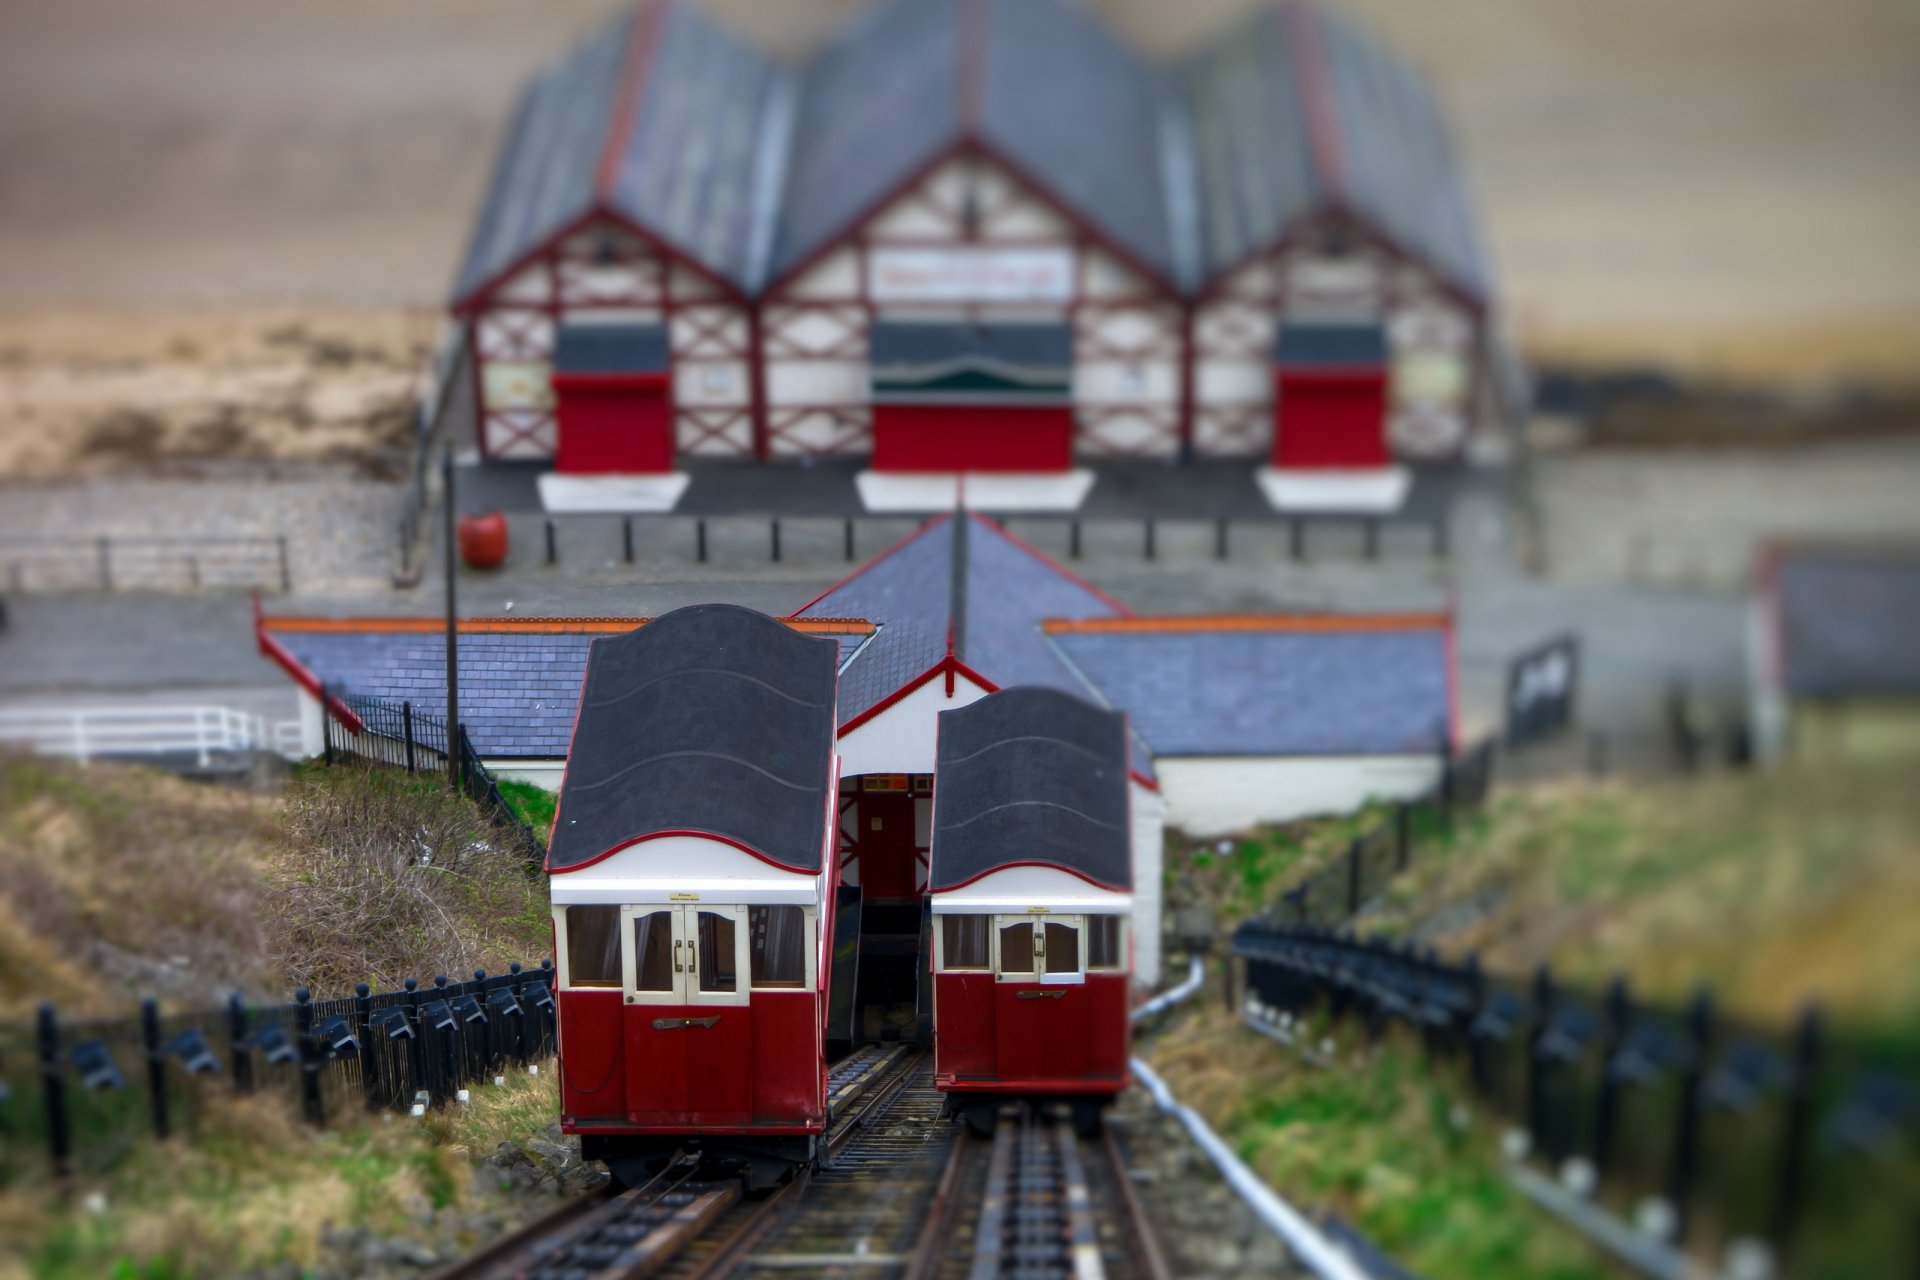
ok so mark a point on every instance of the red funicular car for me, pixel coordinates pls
(1031, 881)
(689, 872)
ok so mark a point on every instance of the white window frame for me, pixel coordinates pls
(562, 958)
(686, 931)
(1040, 920)
(1124, 942)
(809, 941)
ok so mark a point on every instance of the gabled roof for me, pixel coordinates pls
(1298, 112)
(1848, 619)
(1260, 686)
(520, 677)
(1031, 776)
(713, 720)
(1038, 83)
(662, 118)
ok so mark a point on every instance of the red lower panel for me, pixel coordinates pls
(593, 1082)
(947, 437)
(963, 1026)
(680, 1071)
(1333, 419)
(787, 1083)
(613, 423)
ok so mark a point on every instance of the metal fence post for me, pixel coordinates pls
(700, 539)
(1686, 1139)
(449, 1049)
(773, 535)
(310, 1098)
(626, 538)
(1537, 1066)
(416, 1044)
(286, 573)
(1373, 537)
(1440, 538)
(553, 549)
(1073, 538)
(517, 986)
(369, 1060)
(1791, 1177)
(1296, 539)
(1619, 1018)
(156, 1066)
(1220, 538)
(238, 1054)
(326, 729)
(849, 532)
(1148, 533)
(406, 724)
(53, 1083)
(1402, 835)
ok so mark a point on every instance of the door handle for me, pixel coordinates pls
(681, 1024)
(1055, 994)
(676, 957)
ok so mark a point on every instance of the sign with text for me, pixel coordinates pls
(970, 274)
(1540, 689)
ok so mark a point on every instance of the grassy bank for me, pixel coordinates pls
(254, 1189)
(1378, 1139)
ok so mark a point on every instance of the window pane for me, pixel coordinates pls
(1063, 949)
(593, 946)
(1103, 943)
(653, 951)
(718, 970)
(779, 950)
(1016, 948)
(963, 941)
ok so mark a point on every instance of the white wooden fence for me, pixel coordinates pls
(90, 733)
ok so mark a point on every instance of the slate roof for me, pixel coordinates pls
(1849, 621)
(1298, 110)
(712, 719)
(1303, 688)
(661, 116)
(1031, 775)
(519, 689)
(750, 168)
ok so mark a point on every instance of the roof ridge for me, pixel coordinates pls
(1325, 148)
(648, 26)
(957, 588)
(1299, 622)
(309, 625)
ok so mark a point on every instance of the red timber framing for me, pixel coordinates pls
(603, 263)
(808, 325)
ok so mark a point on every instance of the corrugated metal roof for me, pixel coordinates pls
(1850, 622)
(1243, 692)
(875, 106)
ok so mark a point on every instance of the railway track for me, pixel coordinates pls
(903, 1192)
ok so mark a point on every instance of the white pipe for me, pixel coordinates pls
(1309, 1244)
(1196, 974)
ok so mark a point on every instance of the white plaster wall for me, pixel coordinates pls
(1149, 849)
(1214, 795)
(313, 729)
(545, 774)
(900, 739)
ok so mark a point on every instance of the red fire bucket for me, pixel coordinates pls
(483, 540)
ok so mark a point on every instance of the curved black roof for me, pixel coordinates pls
(1031, 775)
(711, 718)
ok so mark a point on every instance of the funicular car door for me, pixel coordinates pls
(688, 1030)
(1040, 996)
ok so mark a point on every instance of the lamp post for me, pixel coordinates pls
(454, 761)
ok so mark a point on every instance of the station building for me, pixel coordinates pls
(984, 236)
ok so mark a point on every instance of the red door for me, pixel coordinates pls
(688, 1024)
(1041, 1012)
(889, 863)
(926, 437)
(1333, 418)
(613, 422)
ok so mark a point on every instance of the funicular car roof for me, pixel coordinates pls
(712, 720)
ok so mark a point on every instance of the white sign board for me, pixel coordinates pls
(971, 274)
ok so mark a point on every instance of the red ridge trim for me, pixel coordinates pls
(330, 705)
(633, 77)
(1028, 862)
(661, 835)
(1307, 54)
(295, 625)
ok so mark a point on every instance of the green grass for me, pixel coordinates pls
(256, 1188)
(533, 805)
(1377, 1140)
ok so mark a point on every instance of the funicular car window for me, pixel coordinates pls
(719, 969)
(1016, 947)
(593, 946)
(653, 951)
(963, 942)
(1061, 949)
(1104, 949)
(779, 951)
